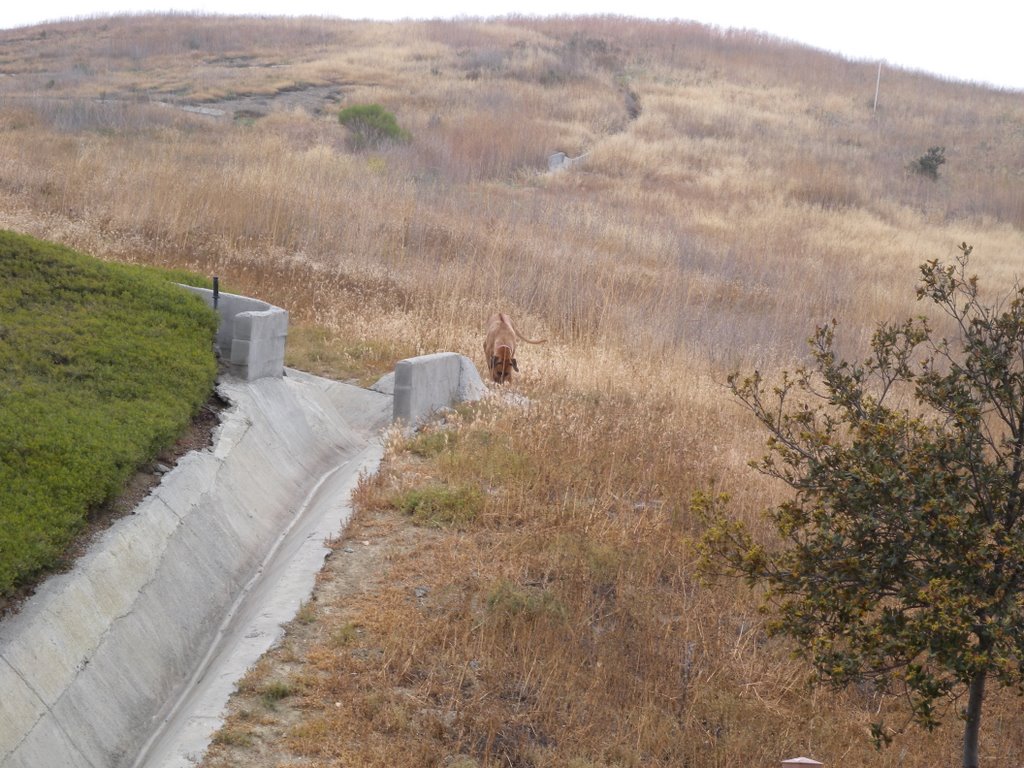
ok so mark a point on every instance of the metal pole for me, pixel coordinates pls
(216, 291)
(878, 82)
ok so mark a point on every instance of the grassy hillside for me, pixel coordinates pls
(735, 192)
(101, 366)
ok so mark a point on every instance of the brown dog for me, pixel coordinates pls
(500, 347)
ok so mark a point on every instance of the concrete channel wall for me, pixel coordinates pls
(100, 668)
(428, 383)
(252, 334)
(96, 660)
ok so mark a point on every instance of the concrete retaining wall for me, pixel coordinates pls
(96, 659)
(559, 161)
(251, 336)
(428, 383)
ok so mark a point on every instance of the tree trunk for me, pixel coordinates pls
(973, 724)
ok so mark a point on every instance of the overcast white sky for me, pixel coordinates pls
(975, 40)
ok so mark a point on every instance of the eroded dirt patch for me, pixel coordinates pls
(314, 99)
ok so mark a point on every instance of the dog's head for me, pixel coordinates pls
(502, 364)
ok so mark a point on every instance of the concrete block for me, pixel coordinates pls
(385, 384)
(426, 384)
(265, 357)
(251, 336)
(269, 324)
(242, 328)
(239, 352)
(559, 161)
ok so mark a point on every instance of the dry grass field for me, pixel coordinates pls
(533, 600)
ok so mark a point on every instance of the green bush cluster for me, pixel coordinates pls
(371, 126)
(441, 506)
(101, 367)
(928, 164)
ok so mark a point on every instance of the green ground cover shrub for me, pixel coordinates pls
(441, 506)
(371, 126)
(101, 367)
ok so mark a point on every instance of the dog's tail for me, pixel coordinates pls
(520, 336)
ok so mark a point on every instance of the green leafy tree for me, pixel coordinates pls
(371, 126)
(902, 547)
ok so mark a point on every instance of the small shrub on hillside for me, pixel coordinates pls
(345, 635)
(306, 613)
(439, 506)
(371, 126)
(928, 163)
(274, 692)
(233, 737)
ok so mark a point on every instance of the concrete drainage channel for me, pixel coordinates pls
(128, 659)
